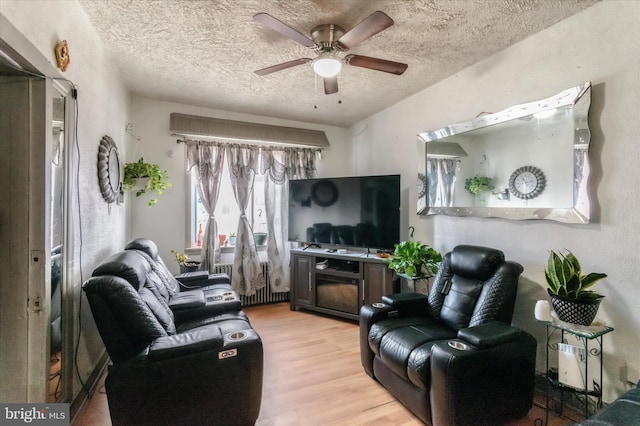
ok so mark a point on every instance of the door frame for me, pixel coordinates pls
(33, 253)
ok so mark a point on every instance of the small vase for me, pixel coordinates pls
(575, 311)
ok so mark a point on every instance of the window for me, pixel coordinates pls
(227, 212)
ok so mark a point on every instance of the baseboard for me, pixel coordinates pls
(91, 385)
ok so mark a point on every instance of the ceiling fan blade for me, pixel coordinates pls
(391, 67)
(284, 29)
(371, 26)
(330, 85)
(283, 66)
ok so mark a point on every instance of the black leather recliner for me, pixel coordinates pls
(204, 368)
(187, 280)
(452, 357)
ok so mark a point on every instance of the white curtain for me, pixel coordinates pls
(279, 165)
(246, 275)
(208, 158)
(441, 178)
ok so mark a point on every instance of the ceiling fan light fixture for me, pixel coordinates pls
(327, 64)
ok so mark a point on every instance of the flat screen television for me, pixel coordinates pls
(362, 211)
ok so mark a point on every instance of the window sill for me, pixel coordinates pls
(195, 251)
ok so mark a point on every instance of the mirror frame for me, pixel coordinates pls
(579, 97)
(109, 173)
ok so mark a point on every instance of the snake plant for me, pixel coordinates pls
(564, 277)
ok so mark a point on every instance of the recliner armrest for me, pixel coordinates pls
(490, 334)
(192, 276)
(197, 340)
(187, 300)
(502, 372)
(200, 279)
(407, 304)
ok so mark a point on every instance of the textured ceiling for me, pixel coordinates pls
(204, 52)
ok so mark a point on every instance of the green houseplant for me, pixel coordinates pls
(569, 288)
(185, 263)
(158, 180)
(414, 259)
(478, 184)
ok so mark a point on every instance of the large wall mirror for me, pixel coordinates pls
(532, 160)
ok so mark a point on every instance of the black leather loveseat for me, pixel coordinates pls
(179, 357)
(452, 357)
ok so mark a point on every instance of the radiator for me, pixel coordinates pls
(262, 296)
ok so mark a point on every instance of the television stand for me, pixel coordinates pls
(338, 284)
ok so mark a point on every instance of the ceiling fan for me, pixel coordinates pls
(329, 41)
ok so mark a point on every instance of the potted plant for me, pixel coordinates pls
(156, 179)
(232, 238)
(478, 184)
(569, 290)
(412, 259)
(186, 264)
(260, 238)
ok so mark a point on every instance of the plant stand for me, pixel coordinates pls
(419, 284)
(591, 340)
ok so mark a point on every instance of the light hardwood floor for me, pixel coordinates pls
(313, 376)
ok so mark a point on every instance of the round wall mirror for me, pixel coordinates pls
(109, 169)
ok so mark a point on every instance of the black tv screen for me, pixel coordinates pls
(361, 211)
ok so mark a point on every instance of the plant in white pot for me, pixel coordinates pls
(569, 290)
(155, 180)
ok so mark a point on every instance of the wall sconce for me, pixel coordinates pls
(503, 195)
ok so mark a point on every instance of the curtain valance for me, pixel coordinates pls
(277, 161)
(241, 131)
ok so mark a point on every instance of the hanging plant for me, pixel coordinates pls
(158, 180)
(478, 184)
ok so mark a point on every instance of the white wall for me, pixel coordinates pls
(164, 223)
(601, 45)
(103, 108)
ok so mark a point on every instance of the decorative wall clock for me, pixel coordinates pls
(324, 193)
(527, 182)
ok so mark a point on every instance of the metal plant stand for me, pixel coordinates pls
(591, 339)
